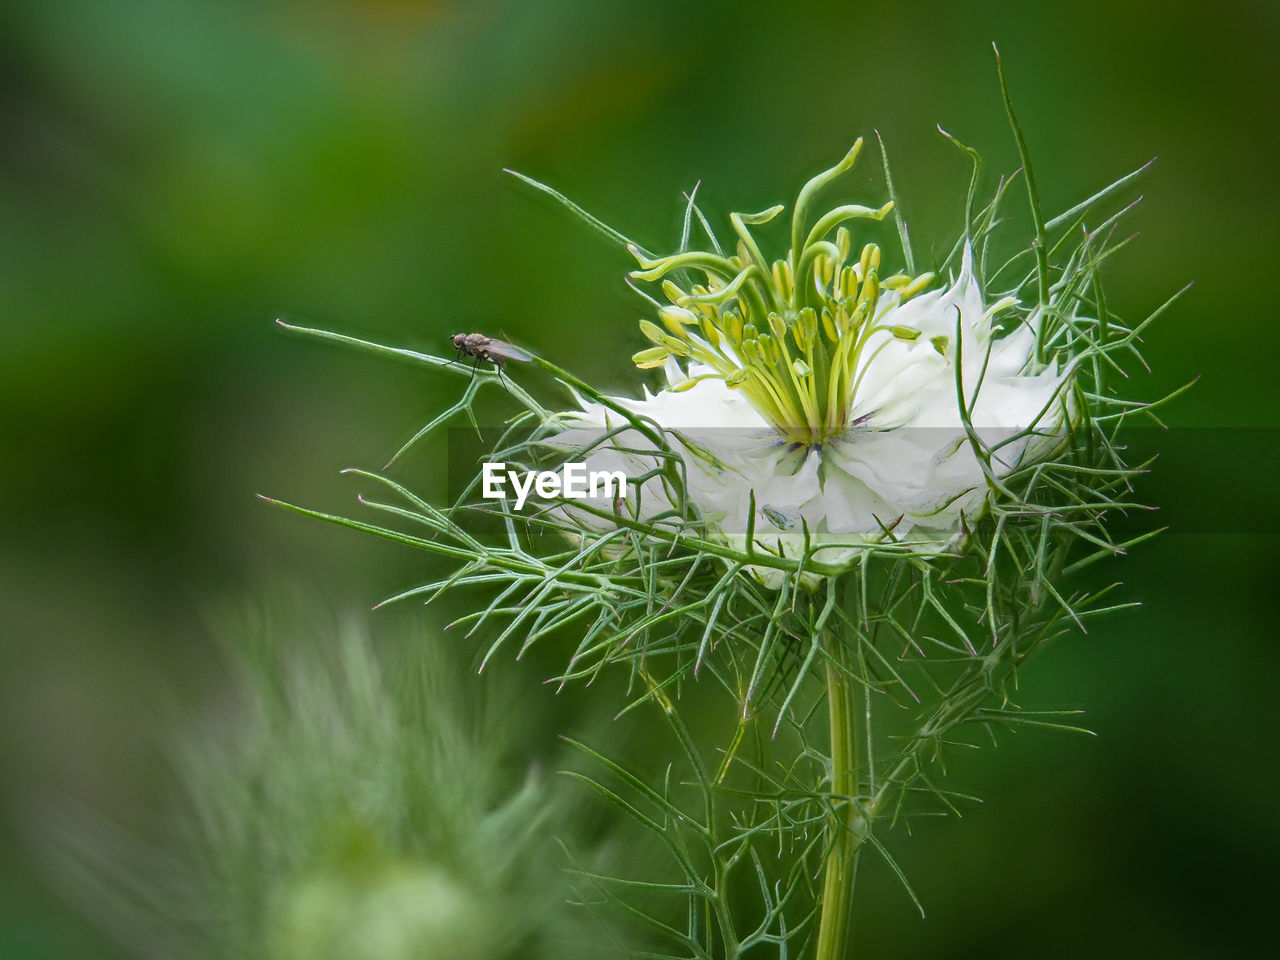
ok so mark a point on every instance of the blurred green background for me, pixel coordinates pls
(175, 175)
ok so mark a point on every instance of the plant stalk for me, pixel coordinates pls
(846, 822)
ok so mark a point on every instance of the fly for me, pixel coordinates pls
(480, 347)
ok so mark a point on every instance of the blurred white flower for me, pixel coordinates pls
(381, 911)
(854, 430)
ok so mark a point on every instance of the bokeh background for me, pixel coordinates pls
(175, 175)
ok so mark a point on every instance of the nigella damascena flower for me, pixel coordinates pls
(817, 406)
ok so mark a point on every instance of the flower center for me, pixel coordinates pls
(791, 334)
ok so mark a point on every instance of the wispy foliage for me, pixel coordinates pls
(339, 804)
(850, 683)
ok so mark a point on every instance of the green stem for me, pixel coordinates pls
(846, 822)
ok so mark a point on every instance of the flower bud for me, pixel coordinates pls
(916, 285)
(677, 316)
(648, 359)
(870, 260)
(808, 324)
(710, 332)
(824, 270)
(870, 291)
(379, 911)
(676, 346)
(799, 335)
(848, 282)
(829, 327)
(782, 278)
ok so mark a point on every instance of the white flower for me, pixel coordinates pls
(816, 405)
(900, 465)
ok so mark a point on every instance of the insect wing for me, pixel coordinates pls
(500, 348)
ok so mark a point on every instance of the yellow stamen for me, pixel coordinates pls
(791, 334)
